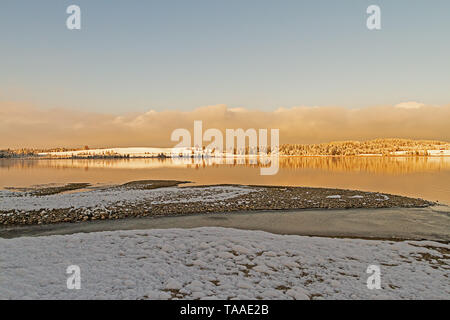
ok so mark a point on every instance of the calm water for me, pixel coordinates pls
(423, 177)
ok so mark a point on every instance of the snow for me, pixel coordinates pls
(384, 197)
(132, 151)
(438, 152)
(219, 263)
(174, 285)
(435, 152)
(334, 197)
(297, 294)
(119, 196)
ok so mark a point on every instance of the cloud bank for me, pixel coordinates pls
(27, 126)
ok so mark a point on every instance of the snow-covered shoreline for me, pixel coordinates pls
(104, 197)
(149, 152)
(209, 263)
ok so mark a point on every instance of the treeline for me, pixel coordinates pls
(28, 152)
(22, 153)
(354, 148)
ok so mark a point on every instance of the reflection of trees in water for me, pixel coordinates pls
(389, 165)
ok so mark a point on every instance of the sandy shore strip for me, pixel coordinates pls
(220, 263)
(163, 198)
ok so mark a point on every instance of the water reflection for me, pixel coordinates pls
(390, 165)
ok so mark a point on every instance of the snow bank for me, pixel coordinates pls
(219, 263)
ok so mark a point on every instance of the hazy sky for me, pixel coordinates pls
(28, 126)
(136, 56)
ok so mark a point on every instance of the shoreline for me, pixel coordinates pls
(224, 158)
(391, 224)
(153, 198)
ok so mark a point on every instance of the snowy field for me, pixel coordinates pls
(132, 152)
(220, 263)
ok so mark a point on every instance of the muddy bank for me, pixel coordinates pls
(431, 223)
(153, 198)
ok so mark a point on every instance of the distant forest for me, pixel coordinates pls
(354, 148)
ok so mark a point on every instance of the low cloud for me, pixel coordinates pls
(27, 126)
(410, 105)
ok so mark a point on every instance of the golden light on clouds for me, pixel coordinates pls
(27, 126)
(410, 105)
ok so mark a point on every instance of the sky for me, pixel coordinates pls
(133, 57)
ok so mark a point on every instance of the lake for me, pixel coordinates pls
(423, 177)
